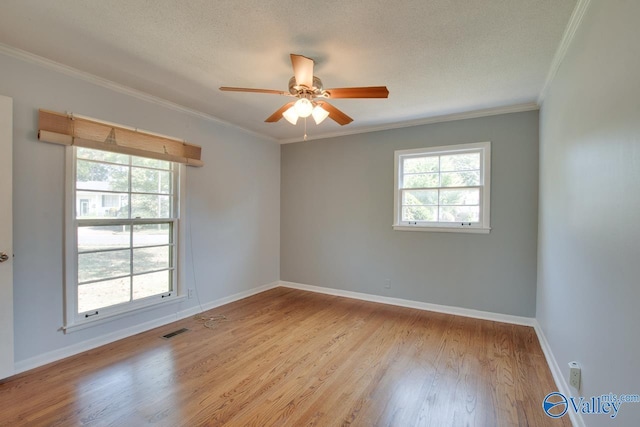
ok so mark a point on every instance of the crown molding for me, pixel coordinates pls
(117, 87)
(569, 33)
(473, 114)
(126, 90)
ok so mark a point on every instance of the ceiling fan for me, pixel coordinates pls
(311, 95)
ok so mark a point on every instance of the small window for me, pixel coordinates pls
(443, 188)
(122, 234)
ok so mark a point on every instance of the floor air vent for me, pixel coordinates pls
(174, 333)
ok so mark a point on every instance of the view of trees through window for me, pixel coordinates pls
(124, 218)
(144, 186)
(441, 188)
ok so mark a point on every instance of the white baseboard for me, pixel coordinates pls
(561, 384)
(236, 297)
(558, 377)
(466, 312)
(55, 355)
(74, 349)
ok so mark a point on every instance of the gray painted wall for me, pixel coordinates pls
(337, 212)
(589, 250)
(232, 203)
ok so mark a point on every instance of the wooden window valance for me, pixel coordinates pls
(67, 129)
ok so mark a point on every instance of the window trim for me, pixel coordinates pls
(483, 226)
(74, 321)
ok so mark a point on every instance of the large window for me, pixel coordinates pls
(443, 188)
(122, 233)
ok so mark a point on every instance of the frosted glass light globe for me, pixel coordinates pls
(303, 107)
(319, 114)
(291, 115)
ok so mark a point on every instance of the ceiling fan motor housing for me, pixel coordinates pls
(308, 92)
(296, 90)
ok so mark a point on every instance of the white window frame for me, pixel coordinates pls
(482, 226)
(75, 321)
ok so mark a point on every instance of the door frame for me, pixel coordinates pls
(7, 362)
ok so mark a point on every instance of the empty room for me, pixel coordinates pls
(292, 213)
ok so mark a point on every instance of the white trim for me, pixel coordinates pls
(561, 52)
(117, 87)
(74, 321)
(99, 81)
(181, 223)
(446, 149)
(7, 283)
(447, 309)
(556, 372)
(115, 315)
(61, 353)
(473, 114)
(437, 229)
(484, 223)
(70, 238)
(232, 298)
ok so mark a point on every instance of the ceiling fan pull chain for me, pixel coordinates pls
(305, 128)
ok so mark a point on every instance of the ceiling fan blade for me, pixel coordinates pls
(278, 114)
(246, 89)
(335, 114)
(302, 70)
(358, 92)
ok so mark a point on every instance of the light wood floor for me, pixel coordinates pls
(292, 358)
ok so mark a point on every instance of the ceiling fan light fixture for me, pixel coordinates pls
(303, 107)
(319, 114)
(309, 95)
(291, 115)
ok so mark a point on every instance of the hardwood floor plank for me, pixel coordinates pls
(328, 364)
(362, 372)
(293, 358)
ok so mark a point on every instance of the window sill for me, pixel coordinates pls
(108, 317)
(473, 230)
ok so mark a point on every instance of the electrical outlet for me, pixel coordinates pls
(190, 293)
(574, 375)
(387, 284)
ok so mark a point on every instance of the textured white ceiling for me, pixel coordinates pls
(436, 56)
